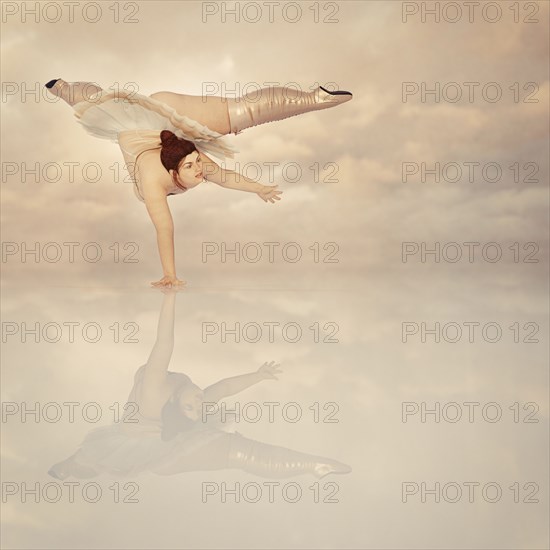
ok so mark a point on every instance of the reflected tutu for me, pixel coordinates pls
(124, 450)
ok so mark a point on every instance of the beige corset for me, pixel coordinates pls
(132, 143)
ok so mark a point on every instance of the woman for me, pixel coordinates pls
(167, 140)
(163, 431)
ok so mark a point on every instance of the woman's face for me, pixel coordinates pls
(190, 401)
(190, 170)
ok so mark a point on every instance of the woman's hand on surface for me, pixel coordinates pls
(168, 282)
(269, 193)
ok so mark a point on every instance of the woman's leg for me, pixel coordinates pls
(278, 103)
(73, 92)
(225, 115)
(229, 115)
(208, 110)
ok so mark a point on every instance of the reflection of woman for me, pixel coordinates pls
(179, 159)
(170, 437)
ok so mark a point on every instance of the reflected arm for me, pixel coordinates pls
(231, 386)
(160, 356)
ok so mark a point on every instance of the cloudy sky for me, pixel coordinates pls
(358, 209)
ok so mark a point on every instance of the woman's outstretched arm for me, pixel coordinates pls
(233, 180)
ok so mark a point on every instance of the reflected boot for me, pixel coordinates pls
(72, 92)
(278, 103)
(69, 467)
(279, 462)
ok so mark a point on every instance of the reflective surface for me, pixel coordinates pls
(363, 365)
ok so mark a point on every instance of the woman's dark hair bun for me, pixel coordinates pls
(166, 136)
(174, 149)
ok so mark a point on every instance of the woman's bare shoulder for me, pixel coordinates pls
(151, 172)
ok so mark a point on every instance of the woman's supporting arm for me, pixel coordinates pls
(159, 212)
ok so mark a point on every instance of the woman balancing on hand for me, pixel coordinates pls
(167, 140)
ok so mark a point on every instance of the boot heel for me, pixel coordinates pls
(51, 83)
(337, 92)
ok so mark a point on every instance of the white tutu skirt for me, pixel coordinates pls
(140, 119)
